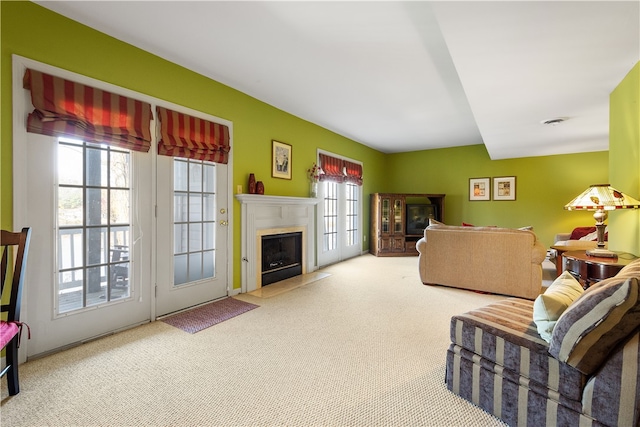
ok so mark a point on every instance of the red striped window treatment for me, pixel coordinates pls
(354, 172)
(339, 170)
(182, 135)
(67, 108)
(332, 168)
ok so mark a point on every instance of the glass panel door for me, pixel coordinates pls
(398, 212)
(93, 214)
(88, 248)
(192, 256)
(341, 221)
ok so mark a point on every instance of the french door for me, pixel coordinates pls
(192, 236)
(89, 262)
(339, 222)
(118, 237)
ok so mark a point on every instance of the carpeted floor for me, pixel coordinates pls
(364, 346)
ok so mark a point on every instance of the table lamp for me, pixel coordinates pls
(601, 198)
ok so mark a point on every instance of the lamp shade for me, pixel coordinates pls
(602, 197)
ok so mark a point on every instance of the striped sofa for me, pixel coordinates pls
(587, 375)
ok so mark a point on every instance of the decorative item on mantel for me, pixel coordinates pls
(314, 175)
(259, 187)
(252, 184)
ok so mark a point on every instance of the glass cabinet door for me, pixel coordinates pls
(385, 215)
(397, 216)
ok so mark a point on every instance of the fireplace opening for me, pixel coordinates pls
(281, 257)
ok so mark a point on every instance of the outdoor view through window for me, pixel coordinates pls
(93, 224)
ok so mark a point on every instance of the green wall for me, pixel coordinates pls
(624, 160)
(26, 30)
(544, 184)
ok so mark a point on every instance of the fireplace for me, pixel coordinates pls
(281, 257)
(264, 215)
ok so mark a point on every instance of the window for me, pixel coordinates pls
(330, 230)
(194, 220)
(93, 218)
(340, 227)
(351, 201)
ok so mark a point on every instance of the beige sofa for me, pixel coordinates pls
(491, 259)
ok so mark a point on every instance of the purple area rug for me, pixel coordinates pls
(200, 318)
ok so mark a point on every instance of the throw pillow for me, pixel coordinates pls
(548, 306)
(598, 321)
(579, 232)
(434, 222)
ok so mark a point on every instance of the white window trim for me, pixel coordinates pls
(320, 206)
(21, 107)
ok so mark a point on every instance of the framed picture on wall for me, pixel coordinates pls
(504, 188)
(281, 160)
(479, 189)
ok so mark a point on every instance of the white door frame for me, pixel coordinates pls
(339, 253)
(21, 107)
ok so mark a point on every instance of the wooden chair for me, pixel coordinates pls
(14, 246)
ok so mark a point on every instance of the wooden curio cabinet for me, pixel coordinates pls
(398, 221)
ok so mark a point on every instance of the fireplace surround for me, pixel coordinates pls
(281, 256)
(264, 215)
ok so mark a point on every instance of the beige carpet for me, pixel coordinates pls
(364, 346)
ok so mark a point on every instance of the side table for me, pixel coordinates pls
(569, 246)
(588, 270)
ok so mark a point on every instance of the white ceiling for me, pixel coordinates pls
(403, 76)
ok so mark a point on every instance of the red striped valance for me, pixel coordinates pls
(332, 168)
(182, 135)
(66, 108)
(354, 172)
(339, 170)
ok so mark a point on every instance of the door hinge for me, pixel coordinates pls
(156, 291)
(155, 208)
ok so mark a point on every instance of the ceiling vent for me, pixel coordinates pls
(554, 122)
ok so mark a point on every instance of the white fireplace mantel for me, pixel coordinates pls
(260, 212)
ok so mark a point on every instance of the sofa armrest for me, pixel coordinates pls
(538, 253)
(617, 380)
(561, 237)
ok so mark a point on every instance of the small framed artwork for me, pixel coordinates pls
(479, 189)
(281, 160)
(504, 188)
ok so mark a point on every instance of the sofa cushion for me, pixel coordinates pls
(587, 234)
(598, 321)
(580, 232)
(503, 334)
(548, 306)
(435, 222)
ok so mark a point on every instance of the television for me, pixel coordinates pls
(418, 217)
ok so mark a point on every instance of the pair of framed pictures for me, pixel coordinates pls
(504, 188)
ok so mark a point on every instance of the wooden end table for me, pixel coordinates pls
(570, 246)
(588, 269)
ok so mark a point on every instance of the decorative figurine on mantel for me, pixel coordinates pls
(314, 176)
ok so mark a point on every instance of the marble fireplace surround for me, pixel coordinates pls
(265, 215)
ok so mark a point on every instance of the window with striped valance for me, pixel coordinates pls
(339, 170)
(332, 168)
(66, 108)
(182, 135)
(353, 172)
